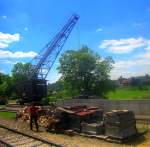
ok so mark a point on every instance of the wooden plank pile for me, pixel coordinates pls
(120, 124)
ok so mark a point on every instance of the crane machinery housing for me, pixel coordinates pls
(35, 88)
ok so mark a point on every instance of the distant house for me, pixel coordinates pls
(134, 81)
(124, 82)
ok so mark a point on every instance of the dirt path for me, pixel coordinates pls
(75, 141)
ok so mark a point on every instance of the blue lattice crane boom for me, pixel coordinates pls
(35, 88)
(46, 58)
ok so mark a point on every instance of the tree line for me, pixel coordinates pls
(83, 72)
(141, 82)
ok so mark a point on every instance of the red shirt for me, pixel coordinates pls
(33, 110)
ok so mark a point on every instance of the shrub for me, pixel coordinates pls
(3, 101)
(45, 101)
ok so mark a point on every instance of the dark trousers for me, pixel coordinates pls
(34, 119)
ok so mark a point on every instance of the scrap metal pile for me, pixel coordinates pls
(76, 117)
(119, 124)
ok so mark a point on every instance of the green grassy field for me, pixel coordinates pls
(10, 115)
(124, 93)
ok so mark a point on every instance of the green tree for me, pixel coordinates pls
(6, 85)
(21, 71)
(54, 87)
(86, 72)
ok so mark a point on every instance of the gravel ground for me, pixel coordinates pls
(75, 141)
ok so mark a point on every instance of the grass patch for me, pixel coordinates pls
(12, 101)
(125, 93)
(10, 115)
(143, 127)
(2, 106)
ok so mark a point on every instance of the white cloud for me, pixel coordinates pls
(7, 39)
(123, 64)
(130, 63)
(128, 68)
(53, 77)
(138, 65)
(26, 29)
(18, 54)
(124, 45)
(4, 17)
(99, 30)
(144, 56)
(3, 45)
(8, 61)
(148, 45)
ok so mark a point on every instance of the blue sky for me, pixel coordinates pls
(117, 28)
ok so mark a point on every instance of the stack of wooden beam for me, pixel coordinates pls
(120, 124)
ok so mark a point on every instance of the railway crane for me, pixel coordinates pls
(35, 88)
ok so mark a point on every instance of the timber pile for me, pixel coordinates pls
(120, 124)
(23, 114)
(44, 115)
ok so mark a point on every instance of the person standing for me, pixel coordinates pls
(33, 112)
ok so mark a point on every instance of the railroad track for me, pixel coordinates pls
(13, 138)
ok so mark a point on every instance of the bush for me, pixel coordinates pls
(45, 101)
(3, 101)
(13, 96)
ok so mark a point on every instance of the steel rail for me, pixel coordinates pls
(29, 136)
